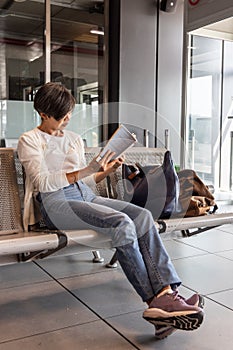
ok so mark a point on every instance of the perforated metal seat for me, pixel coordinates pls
(10, 220)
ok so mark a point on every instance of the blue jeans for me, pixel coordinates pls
(140, 250)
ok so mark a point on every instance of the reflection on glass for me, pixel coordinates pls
(76, 61)
(204, 87)
(22, 60)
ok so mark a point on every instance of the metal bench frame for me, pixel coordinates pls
(19, 246)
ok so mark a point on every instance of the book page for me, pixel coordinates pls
(120, 141)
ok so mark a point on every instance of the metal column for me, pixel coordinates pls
(47, 36)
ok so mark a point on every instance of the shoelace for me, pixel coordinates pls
(175, 295)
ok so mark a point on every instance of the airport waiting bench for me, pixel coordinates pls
(16, 245)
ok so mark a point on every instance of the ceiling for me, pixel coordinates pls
(71, 19)
(206, 57)
(219, 30)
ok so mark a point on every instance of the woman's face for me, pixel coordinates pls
(62, 123)
(53, 124)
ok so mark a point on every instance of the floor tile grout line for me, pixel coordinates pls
(87, 306)
(202, 250)
(47, 332)
(206, 253)
(206, 296)
(223, 251)
(217, 302)
(222, 290)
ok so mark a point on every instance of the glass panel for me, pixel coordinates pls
(21, 61)
(77, 62)
(204, 101)
(226, 179)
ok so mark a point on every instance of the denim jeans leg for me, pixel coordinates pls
(161, 271)
(147, 265)
(139, 248)
(135, 270)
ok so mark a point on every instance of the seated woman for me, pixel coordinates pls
(59, 181)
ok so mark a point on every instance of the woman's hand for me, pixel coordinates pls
(100, 166)
(109, 168)
(113, 165)
(101, 163)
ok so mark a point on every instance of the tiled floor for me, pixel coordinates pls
(70, 303)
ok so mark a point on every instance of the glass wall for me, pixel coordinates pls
(226, 164)
(204, 100)
(77, 61)
(22, 60)
(209, 110)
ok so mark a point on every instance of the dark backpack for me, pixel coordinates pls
(153, 187)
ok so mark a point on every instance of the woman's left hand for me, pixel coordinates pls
(114, 164)
(109, 168)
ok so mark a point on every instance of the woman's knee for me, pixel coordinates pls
(145, 215)
(147, 212)
(124, 231)
(122, 219)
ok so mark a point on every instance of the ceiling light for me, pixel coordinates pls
(97, 31)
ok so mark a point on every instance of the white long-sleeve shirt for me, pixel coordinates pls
(46, 160)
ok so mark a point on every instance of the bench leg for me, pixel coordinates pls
(97, 257)
(113, 262)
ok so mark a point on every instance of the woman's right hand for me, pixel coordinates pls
(98, 164)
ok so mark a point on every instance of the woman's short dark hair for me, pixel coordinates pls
(54, 100)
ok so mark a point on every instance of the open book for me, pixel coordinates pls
(120, 141)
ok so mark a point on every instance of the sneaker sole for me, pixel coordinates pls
(164, 332)
(201, 302)
(188, 322)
